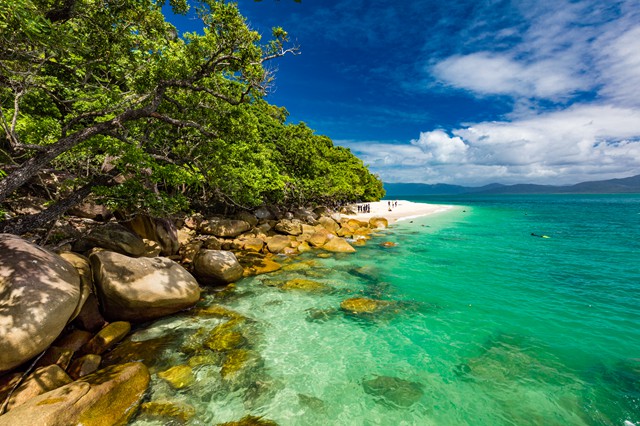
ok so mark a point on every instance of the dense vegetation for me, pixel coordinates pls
(106, 98)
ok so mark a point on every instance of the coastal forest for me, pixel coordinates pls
(106, 100)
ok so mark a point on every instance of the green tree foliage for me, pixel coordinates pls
(106, 94)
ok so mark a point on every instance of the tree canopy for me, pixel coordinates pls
(107, 97)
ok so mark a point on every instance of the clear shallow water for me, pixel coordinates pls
(488, 325)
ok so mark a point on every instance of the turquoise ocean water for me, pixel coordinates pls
(485, 325)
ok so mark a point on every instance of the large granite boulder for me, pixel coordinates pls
(113, 237)
(162, 231)
(217, 267)
(278, 243)
(338, 245)
(110, 396)
(43, 379)
(39, 293)
(247, 217)
(378, 222)
(141, 289)
(91, 210)
(83, 267)
(264, 213)
(318, 238)
(226, 228)
(329, 224)
(289, 227)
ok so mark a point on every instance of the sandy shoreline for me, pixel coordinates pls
(403, 211)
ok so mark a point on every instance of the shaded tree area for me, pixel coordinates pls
(106, 100)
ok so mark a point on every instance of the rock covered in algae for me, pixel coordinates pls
(146, 351)
(168, 410)
(207, 358)
(394, 391)
(250, 421)
(108, 397)
(300, 266)
(305, 285)
(226, 340)
(227, 336)
(215, 311)
(257, 264)
(107, 337)
(178, 377)
(363, 305)
(237, 361)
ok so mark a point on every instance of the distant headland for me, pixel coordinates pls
(611, 186)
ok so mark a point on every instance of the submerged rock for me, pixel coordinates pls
(227, 336)
(146, 351)
(315, 404)
(305, 285)
(168, 410)
(250, 421)
(321, 315)
(215, 311)
(238, 361)
(394, 391)
(225, 340)
(362, 305)
(179, 377)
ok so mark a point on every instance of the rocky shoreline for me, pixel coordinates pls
(62, 313)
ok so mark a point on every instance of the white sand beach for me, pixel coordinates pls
(402, 211)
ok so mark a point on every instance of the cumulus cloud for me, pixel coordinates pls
(581, 60)
(439, 147)
(584, 142)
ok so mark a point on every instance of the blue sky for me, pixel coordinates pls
(465, 92)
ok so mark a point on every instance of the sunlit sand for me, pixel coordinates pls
(402, 211)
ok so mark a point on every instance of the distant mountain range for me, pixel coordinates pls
(611, 186)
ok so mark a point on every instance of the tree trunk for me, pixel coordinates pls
(32, 166)
(22, 224)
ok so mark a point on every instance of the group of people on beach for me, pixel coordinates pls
(392, 204)
(364, 208)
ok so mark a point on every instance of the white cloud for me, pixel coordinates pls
(441, 148)
(568, 48)
(619, 63)
(564, 51)
(584, 142)
(487, 73)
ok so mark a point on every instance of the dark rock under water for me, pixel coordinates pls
(394, 391)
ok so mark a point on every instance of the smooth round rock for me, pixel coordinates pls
(141, 289)
(39, 292)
